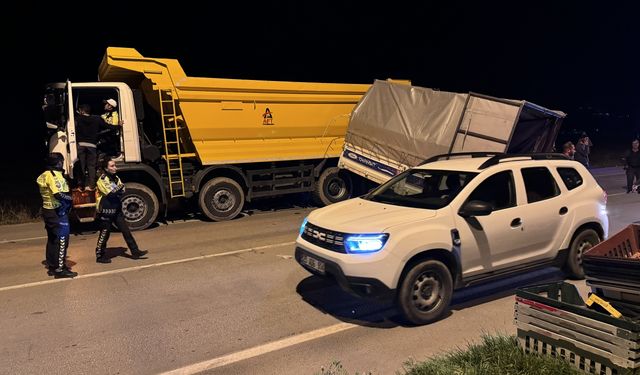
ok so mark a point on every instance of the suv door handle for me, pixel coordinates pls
(516, 222)
(563, 211)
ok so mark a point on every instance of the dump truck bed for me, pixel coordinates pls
(227, 121)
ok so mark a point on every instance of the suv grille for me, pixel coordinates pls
(324, 238)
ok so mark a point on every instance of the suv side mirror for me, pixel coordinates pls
(475, 208)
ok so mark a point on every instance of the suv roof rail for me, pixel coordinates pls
(537, 156)
(457, 154)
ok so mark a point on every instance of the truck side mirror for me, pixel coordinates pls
(475, 208)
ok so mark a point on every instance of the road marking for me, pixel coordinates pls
(129, 269)
(22, 239)
(614, 194)
(260, 350)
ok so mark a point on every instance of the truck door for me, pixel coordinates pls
(71, 131)
(487, 124)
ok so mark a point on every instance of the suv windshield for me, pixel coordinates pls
(420, 188)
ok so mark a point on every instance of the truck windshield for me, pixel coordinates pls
(420, 188)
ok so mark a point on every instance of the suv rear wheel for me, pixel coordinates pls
(582, 242)
(425, 292)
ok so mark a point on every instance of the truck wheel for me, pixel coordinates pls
(221, 199)
(582, 242)
(139, 206)
(333, 185)
(425, 292)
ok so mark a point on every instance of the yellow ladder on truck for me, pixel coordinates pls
(172, 150)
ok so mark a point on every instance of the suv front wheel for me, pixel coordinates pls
(425, 292)
(582, 242)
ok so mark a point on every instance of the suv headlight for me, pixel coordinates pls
(365, 243)
(304, 224)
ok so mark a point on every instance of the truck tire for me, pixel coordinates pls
(582, 242)
(221, 199)
(333, 185)
(425, 292)
(140, 206)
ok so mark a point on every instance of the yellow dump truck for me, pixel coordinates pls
(220, 142)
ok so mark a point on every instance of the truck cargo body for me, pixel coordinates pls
(219, 141)
(395, 127)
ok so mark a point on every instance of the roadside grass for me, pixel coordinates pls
(13, 212)
(19, 198)
(494, 355)
(606, 158)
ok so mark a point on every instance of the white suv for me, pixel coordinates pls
(453, 221)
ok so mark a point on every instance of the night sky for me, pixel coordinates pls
(579, 57)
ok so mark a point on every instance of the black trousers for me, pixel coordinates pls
(631, 173)
(105, 223)
(57, 238)
(88, 158)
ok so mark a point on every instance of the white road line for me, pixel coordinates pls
(129, 269)
(22, 239)
(259, 350)
(614, 194)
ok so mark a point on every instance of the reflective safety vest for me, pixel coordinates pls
(105, 186)
(50, 183)
(111, 118)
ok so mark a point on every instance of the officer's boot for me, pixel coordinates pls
(101, 256)
(62, 271)
(137, 254)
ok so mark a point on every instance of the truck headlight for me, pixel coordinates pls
(365, 243)
(304, 224)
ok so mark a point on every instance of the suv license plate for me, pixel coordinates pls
(314, 263)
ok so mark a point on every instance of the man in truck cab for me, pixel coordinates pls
(110, 142)
(110, 114)
(87, 130)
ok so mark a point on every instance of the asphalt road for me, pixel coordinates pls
(225, 298)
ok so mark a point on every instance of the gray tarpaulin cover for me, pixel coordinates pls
(408, 124)
(417, 120)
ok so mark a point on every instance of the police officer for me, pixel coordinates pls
(56, 203)
(110, 190)
(110, 115)
(110, 144)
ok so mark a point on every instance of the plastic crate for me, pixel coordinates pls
(616, 261)
(552, 319)
(83, 197)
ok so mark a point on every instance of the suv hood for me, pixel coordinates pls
(363, 216)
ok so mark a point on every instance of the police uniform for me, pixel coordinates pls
(111, 118)
(56, 203)
(111, 142)
(110, 190)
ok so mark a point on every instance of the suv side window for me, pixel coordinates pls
(498, 190)
(570, 177)
(539, 184)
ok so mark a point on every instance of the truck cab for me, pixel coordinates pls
(124, 144)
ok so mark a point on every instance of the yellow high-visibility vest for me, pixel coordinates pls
(50, 183)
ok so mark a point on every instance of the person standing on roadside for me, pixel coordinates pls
(583, 149)
(56, 203)
(632, 165)
(109, 203)
(569, 150)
